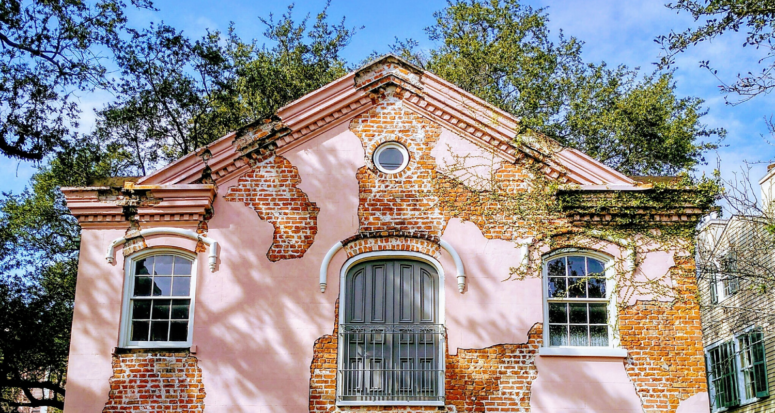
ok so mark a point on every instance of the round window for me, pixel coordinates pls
(391, 157)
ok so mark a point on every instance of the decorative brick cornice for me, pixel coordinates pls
(168, 205)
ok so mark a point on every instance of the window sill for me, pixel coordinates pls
(582, 352)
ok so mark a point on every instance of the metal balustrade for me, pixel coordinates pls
(391, 364)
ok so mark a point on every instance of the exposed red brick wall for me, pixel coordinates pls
(271, 189)
(155, 382)
(664, 342)
(494, 379)
(361, 246)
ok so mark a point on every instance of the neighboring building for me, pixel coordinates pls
(351, 255)
(736, 273)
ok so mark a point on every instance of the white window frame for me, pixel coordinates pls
(391, 255)
(391, 145)
(738, 371)
(614, 346)
(126, 307)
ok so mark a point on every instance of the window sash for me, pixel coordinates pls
(723, 375)
(737, 370)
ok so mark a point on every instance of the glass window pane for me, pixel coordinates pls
(596, 287)
(391, 158)
(558, 313)
(599, 335)
(595, 267)
(162, 286)
(578, 313)
(556, 268)
(143, 286)
(182, 266)
(141, 309)
(163, 265)
(598, 313)
(558, 335)
(139, 331)
(557, 287)
(179, 331)
(576, 267)
(577, 287)
(181, 286)
(144, 266)
(578, 336)
(180, 309)
(161, 310)
(159, 330)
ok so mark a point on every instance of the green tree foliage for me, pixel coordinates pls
(39, 242)
(717, 17)
(502, 52)
(48, 53)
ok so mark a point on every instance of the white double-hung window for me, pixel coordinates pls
(737, 370)
(158, 300)
(579, 310)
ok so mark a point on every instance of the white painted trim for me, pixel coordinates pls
(383, 255)
(125, 326)
(461, 272)
(582, 352)
(213, 244)
(324, 265)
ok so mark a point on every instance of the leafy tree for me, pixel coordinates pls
(502, 52)
(756, 17)
(39, 242)
(49, 51)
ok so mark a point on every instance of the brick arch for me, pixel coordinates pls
(363, 243)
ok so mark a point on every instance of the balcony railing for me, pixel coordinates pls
(391, 364)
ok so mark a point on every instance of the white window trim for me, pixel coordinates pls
(126, 309)
(390, 145)
(614, 346)
(397, 255)
(735, 338)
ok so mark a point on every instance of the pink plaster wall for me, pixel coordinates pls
(256, 321)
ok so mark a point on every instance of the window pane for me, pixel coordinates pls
(162, 286)
(161, 310)
(139, 331)
(578, 336)
(391, 158)
(556, 268)
(181, 286)
(558, 313)
(141, 309)
(159, 330)
(182, 266)
(556, 287)
(578, 313)
(596, 287)
(143, 267)
(577, 288)
(558, 335)
(163, 265)
(595, 267)
(576, 267)
(143, 286)
(599, 335)
(598, 313)
(179, 331)
(180, 309)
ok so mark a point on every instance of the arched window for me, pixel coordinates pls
(391, 337)
(578, 307)
(158, 300)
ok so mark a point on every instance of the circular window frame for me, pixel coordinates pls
(390, 145)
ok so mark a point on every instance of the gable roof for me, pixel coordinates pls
(357, 92)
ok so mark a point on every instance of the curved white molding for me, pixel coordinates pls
(461, 273)
(324, 265)
(186, 233)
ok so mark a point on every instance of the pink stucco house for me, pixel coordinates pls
(386, 242)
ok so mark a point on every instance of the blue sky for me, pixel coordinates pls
(614, 31)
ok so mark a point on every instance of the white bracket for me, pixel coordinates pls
(213, 244)
(461, 272)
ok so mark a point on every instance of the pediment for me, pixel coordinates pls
(342, 100)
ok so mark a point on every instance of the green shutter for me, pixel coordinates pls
(713, 293)
(759, 364)
(722, 367)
